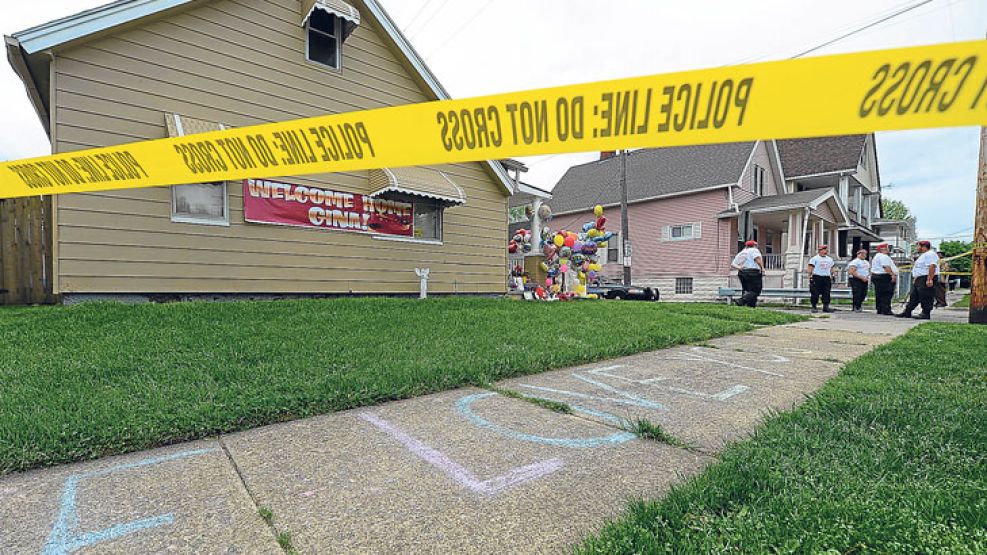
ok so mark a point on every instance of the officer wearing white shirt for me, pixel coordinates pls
(924, 270)
(859, 270)
(884, 275)
(821, 269)
(750, 269)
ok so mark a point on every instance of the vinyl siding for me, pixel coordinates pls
(240, 63)
(654, 258)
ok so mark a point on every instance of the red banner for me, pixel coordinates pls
(271, 202)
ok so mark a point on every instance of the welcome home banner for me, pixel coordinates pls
(273, 202)
(909, 88)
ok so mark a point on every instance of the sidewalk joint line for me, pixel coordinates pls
(246, 488)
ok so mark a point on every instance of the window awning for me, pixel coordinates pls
(416, 182)
(338, 8)
(179, 126)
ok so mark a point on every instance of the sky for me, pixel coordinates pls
(479, 47)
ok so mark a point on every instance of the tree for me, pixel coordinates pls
(895, 209)
(953, 248)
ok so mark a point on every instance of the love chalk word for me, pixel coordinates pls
(458, 472)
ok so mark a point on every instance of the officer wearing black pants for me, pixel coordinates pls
(923, 288)
(821, 279)
(859, 270)
(750, 270)
(884, 275)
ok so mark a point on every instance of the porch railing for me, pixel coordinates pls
(774, 261)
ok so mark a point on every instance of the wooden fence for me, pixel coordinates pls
(26, 251)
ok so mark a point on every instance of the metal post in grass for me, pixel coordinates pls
(978, 281)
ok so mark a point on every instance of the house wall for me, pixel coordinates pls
(240, 63)
(657, 261)
(773, 184)
(867, 173)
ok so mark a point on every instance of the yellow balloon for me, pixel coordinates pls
(598, 210)
(593, 233)
(595, 267)
(592, 296)
(559, 241)
(603, 244)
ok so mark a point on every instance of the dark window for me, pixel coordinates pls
(323, 38)
(613, 250)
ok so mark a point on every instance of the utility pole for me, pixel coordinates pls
(978, 282)
(625, 228)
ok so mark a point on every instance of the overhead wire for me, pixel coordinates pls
(436, 12)
(418, 14)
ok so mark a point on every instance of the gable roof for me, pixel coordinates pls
(778, 202)
(811, 199)
(26, 50)
(822, 155)
(651, 173)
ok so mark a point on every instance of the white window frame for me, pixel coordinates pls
(441, 223)
(691, 282)
(695, 232)
(224, 221)
(757, 186)
(338, 25)
(615, 243)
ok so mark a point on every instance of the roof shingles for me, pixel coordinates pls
(803, 157)
(651, 173)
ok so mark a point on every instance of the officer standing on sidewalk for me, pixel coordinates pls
(859, 270)
(884, 274)
(750, 269)
(820, 270)
(923, 287)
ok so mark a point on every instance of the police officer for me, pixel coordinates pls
(821, 269)
(750, 269)
(884, 275)
(924, 272)
(859, 270)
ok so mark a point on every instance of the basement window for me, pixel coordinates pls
(683, 286)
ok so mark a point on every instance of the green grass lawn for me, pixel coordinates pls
(87, 381)
(963, 303)
(889, 457)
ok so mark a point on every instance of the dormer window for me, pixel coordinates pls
(327, 25)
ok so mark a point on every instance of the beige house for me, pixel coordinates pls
(136, 70)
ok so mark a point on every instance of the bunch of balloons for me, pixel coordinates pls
(520, 242)
(576, 252)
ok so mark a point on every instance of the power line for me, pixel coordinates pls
(852, 30)
(893, 15)
(418, 14)
(429, 19)
(464, 26)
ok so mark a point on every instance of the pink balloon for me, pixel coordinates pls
(564, 268)
(548, 282)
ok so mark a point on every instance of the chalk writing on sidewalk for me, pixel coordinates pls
(458, 472)
(65, 538)
(465, 406)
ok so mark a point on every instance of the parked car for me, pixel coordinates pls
(623, 292)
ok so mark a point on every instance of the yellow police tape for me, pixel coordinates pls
(935, 86)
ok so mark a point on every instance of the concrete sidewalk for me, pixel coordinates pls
(465, 471)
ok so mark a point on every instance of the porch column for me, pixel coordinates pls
(536, 226)
(793, 248)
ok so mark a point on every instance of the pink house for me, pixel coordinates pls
(690, 208)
